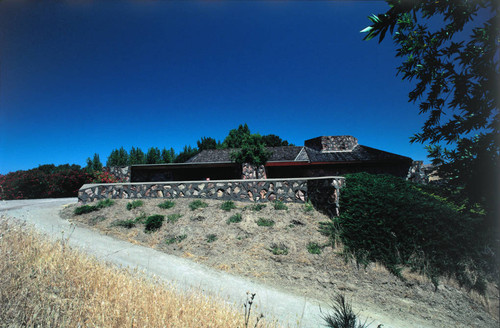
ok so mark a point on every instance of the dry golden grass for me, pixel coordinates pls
(47, 284)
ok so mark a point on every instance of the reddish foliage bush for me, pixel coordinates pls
(104, 177)
(46, 181)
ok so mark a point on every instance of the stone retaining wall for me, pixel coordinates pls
(323, 192)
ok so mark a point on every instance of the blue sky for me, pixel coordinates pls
(85, 77)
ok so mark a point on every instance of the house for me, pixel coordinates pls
(321, 156)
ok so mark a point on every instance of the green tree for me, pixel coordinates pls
(185, 154)
(153, 156)
(236, 137)
(455, 64)
(272, 140)
(253, 151)
(136, 156)
(166, 155)
(207, 143)
(118, 157)
(94, 164)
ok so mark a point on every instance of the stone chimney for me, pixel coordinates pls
(332, 143)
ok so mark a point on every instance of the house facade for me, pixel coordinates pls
(319, 157)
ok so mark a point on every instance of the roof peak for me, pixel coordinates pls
(332, 143)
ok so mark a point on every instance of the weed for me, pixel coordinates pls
(172, 218)
(154, 222)
(262, 222)
(234, 219)
(211, 238)
(308, 206)
(195, 204)
(258, 207)
(227, 206)
(279, 205)
(124, 223)
(85, 209)
(343, 316)
(166, 204)
(248, 310)
(175, 239)
(313, 248)
(134, 204)
(279, 249)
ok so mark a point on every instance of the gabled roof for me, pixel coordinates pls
(304, 154)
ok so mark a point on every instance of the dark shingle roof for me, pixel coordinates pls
(295, 153)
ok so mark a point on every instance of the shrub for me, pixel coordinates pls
(197, 204)
(46, 181)
(279, 249)
(85, 209)
(227, 206)
(262, 222)
(389, 220)
(279, 205)
(313, 248)
(234, 218)
(104, 177)
(134, 204)
(175, 239)
(166, 204)
(211, 238)
(172, 218)
(343, 316)
(124, 223)
(154, 222)
(258, 207)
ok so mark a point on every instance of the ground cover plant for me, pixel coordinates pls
(197, 204)
(228, 205)
(124, 223)
(234, 218)
(134, 204)
(391, 221)
(263, 222)
(258, 207)
(45, 283)
(91, 208)
(280, 206)
(313, 248)
(172, 218)
(166, 204)
(175, 239)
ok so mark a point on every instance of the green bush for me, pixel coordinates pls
(195, 204)
(166, 204)
(389, 220)
(234, 218)
(134, 204)
(262, 222)
(124, 223)
(313, 248)
(154, 222)
(172, 218)
(227, 206)
(279, 205)
(85, 209)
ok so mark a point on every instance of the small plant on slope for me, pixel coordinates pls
(195, 204)
(280, 206)
(166, 204)
(134, 204)
(154, 222)
(124, 223)
(234, 218)
(342, 316)
(313, 248)
(211, 238)
(262, 222)
(172, 218)
(227, 206)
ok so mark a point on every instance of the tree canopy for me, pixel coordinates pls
(450, 50)
(252, 151)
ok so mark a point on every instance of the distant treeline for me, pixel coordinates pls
(235, 139)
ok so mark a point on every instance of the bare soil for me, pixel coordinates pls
(246, 249)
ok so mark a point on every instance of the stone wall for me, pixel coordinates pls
(248, 171)
(323, 192)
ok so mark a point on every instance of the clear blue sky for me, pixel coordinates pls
(85, 77)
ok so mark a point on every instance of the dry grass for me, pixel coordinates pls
(47, 284)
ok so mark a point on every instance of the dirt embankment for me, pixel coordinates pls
(283, 255)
